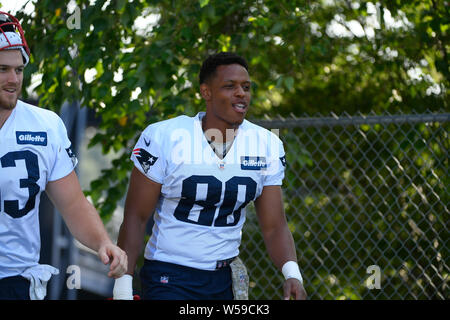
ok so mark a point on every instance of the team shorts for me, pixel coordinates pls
(168, 281)
(14, 288)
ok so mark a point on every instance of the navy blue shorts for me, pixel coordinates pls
(14, 288)
(168, 281)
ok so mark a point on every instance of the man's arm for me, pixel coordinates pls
(277, 236)
(142, 197)
(84, 222)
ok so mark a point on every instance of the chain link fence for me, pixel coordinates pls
(367, 201)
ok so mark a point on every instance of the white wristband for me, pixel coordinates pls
(123, 288)
(291, 270)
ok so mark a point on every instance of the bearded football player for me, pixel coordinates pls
(35, 156)
(197, 174)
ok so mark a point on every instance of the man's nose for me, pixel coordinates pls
(240, 91)
(13, 77)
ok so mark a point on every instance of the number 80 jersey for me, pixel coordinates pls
(201, 210)
(34, 149)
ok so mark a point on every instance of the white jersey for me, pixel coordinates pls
(34, 149)
(201, 210)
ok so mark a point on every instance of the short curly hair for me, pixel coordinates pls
(211, 63)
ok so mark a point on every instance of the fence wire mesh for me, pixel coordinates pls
(367, 201)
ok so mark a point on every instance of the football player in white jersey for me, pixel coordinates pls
(35, 156)
(198, 174)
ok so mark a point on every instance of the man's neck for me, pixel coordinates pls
(218, 132)
(4, 115)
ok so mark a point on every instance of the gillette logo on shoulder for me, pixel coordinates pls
(34, 138)
(253, 163)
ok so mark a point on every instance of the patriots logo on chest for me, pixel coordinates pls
(145, 158)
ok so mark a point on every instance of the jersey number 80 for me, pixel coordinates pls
(213, 195)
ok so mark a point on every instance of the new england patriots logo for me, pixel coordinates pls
(72, 156)
(283, 161)
(145, 158)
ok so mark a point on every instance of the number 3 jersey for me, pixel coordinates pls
(34, 149)
(201, 210)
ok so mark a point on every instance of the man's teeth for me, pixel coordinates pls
(240, 105)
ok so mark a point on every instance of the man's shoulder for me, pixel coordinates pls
(33, 111)
(168, 125)
(248, 125)
(251, 128)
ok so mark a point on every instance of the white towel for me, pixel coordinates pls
(39, 275)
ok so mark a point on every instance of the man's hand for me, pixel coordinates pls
(293, 288)
(116, 257)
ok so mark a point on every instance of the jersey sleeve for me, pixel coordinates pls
(276, 165)
(148, 156)
(65, 159)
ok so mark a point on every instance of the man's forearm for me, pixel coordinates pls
(86, 226)
(131, 239)
(280, 246)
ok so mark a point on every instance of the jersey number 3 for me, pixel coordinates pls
(11, 207)
(213, 195)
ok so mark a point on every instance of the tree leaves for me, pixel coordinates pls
(296, 63)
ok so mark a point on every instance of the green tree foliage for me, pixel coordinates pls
(305, 56)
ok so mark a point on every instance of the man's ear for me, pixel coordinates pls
(205, 91)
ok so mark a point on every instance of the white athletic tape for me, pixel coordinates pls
(123, 288)
(291, 270)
